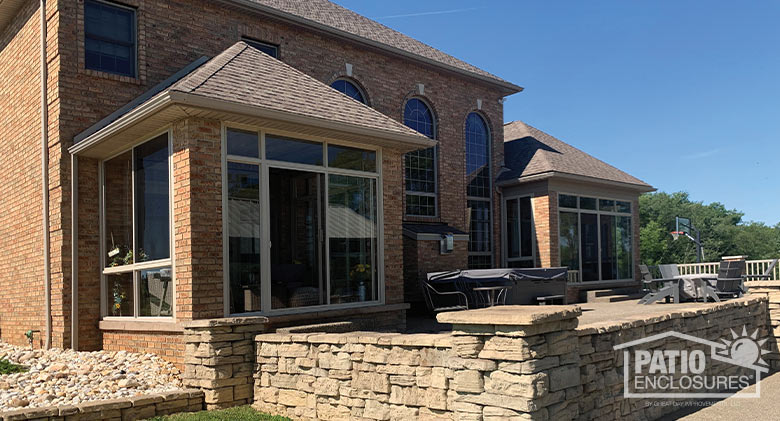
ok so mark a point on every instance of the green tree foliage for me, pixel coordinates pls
(723, 233)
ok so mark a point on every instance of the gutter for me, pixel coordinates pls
(74, 252)
(253, 5)
(45, 176)
(582, 178)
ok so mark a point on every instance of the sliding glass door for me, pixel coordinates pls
(302, 224)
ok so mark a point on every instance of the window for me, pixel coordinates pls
(420, 166)
(518, 229)
(137, 236)
(318, 203)
(596, 241)
(109, 38)
(349, 89)
(478, 187)
(270, 49)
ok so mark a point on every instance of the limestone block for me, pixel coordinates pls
(294, 398)
(403, 413)
(329, 361)
(332, 412)
(433, 357)
(206, 350)
(564, 377)
(326, 387)
(293, 350)
(376, 382)
(401, 370)
(403, 380)
(529, 366)
(223, 394)
(376, 410)
(470, 381)
(470, 364)
(523, 385)
(267, 394)
(214, 373)
(267, 349)
(376, 354)
(467, 346)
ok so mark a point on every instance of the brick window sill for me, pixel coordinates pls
(140, 326)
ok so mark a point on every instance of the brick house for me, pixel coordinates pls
(285, 159)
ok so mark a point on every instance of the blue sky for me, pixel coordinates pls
(683, 94)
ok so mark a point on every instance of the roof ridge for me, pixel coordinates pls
(216, 70)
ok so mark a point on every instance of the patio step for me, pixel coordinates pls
(613, 295)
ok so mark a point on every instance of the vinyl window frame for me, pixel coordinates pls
(135, 44)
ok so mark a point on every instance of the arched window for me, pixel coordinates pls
(420, 166)
(349, 89)
(478, 191)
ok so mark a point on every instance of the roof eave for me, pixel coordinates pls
(642, 188)
(168, 98)
(8, 10)
(511, 88)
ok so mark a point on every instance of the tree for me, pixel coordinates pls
(723, 233)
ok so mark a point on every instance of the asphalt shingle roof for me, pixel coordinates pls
(529, 151)
(332, 15)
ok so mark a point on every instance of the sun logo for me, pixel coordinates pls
(745, 349)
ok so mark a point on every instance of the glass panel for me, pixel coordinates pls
(420, 171)
(243, 143)
(119, 295)
(351, 158)
(589, 246)
(244, 221)
(418, 205)
(512, 228)
(569, 241)
(526, 227)
(352, 238)
(152, 206)
(608, 248)
(109, 39)
(349, 89)
(418, 116)
(118, 198)
(625, 264)
(588, 203)
(297, 276)
(156, 293)
(624, 207)
(293, 150)
(606, 205)
(566, 201)
(269, 49)
(477, 157)
(480, 262)
(479, 233)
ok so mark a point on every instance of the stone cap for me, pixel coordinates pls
(226, 321)
(510, 315)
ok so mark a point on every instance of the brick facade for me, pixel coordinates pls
(424, 256)
(78, 98)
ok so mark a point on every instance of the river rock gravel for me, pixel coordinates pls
(66, 377)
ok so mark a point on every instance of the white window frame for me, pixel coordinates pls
(490, 188)
(579, 211)
(136, 268)
(135, 37)
(435, 194)
(504, 231)
(265, 229)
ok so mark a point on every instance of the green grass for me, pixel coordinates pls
(9, 368)
(241, 413)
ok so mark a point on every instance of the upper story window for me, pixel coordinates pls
(420, 166)
(110, 38)
(477, 156)
(349, 89)
(270, 49)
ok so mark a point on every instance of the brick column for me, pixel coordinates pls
(545, 210)
(515, 362)
(221, 357)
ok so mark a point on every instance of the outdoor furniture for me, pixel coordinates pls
(730, 282)
(492, 295)
(669, 271)
(437, 298)
(659, 289)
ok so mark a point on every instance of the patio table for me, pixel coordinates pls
(492, 294)
(697, 286)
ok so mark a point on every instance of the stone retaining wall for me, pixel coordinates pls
(220, 359)
(601, 367)
(134, 408)
(503, 363)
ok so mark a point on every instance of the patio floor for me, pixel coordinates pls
(626, 311)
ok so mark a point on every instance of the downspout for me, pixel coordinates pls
(74, 252)
(45, 175)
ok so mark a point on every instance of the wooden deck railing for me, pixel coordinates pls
(754, 267)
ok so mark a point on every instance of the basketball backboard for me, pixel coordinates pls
(683, 225)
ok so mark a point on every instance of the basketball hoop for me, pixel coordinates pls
(676, 235)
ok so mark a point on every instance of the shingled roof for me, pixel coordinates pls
(258, 83)
(530, 152)
(337, 19)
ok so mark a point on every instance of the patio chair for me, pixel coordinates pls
(730, 282)
(659, 288)
(669, 271)
(440, 300)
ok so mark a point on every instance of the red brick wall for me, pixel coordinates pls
(423, 257)
(21, 240)
(170, 346)
(89, 336)
(545, 210)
